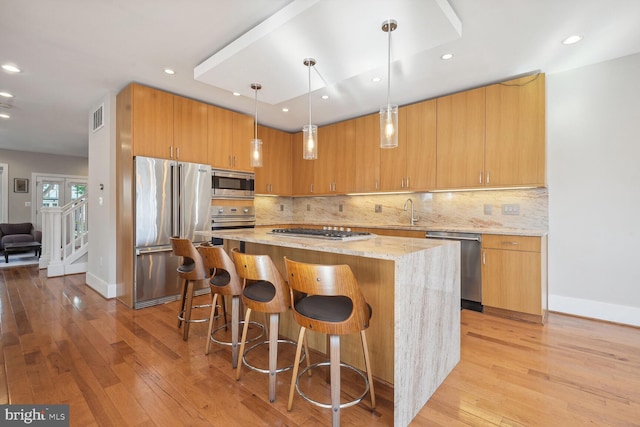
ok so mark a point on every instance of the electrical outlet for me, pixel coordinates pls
(511, 209)
(487, 209)
(308, 207)
(378, 208)
(281, 208)
(340, 207)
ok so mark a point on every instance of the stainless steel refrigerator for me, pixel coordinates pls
(172, 199)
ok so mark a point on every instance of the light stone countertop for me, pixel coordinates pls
(378, 247)
(478, 230)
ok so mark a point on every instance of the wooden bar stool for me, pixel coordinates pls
(191, 271)
(265, 291)
(327, 299)
(224, 281)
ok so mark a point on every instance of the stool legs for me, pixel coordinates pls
(334, 360)
(274, 319)
(367, 365)
(211, 317)
(235, 323)
(188, 302)
(243, 341)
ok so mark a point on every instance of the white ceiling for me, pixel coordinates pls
(74, 52)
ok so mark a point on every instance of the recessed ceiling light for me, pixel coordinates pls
(169, 71)
(6, 94)
(11, 68)
(325, 96)
(376, 79)
(447, 56)
(236, 93)
(4, 115)
(285, 110)
(572, 39)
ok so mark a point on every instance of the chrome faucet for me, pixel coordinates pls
(406, 205)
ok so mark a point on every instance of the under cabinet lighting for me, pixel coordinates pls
(5, 116)
(6, 94)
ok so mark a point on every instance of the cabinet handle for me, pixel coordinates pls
(234, 161)
(271, 188)
(311, 188)
(408, 185)
(377, 184)
(402, 182)
(488, 176)
(230, 162)
(484, 258)
(480, 177)
(510, 243)
(171, 152)
(178, 153)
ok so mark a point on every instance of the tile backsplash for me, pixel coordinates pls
(524, 210)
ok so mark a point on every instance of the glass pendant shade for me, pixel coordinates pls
(389, 126)
(310, 142)
(256, 143)
(309, 132)
(389, 113)
(256, 153)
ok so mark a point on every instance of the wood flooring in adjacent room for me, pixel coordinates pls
(64, 343)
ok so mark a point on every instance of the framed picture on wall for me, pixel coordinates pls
(20, 185)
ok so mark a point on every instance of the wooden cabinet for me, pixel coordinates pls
(515, 152)
(189, 130)
(274, 177)
(367, 159)
(151, 113)
(167, 126)
(302, 170)
(412, 165)
(229, 139)
(334, 171)
(514, 276)
(461, 133)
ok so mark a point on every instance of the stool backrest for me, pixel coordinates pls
(216, 259)
(327, 280)
(192, 267)
(254, 268)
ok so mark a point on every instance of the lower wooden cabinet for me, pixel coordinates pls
(514, 276)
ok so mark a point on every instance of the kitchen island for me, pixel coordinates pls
(413, 287)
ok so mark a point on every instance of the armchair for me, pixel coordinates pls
(16, 233)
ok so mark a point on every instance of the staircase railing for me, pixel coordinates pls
(65, 238)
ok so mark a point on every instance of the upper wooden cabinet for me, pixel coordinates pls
(461, 133)
(367, 160)
(302, 170)
(151, 120)
(274, 176)
(189, 130)
(164, 125)
(412, 165)
(229, 139)
(334, 171)
(515, 153)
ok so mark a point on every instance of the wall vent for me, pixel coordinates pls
(98, 118)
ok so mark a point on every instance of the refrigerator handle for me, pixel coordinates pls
(179, 205)
(175, 220)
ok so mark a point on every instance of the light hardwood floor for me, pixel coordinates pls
(63, 343)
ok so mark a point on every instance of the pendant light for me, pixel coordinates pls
(309, 132)
(389, 113)
(256, 144)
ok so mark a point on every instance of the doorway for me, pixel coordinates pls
(4, 192)
(55, 191)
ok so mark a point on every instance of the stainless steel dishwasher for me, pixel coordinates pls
(470, 266)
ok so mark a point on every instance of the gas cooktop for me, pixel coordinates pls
(328, 233)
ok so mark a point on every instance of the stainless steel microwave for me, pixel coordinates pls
(232, 185)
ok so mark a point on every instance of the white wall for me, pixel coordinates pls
(593, 134)
(101, 269)
(22, 164)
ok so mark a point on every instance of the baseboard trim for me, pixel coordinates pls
(103, 288)
(622, 314)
